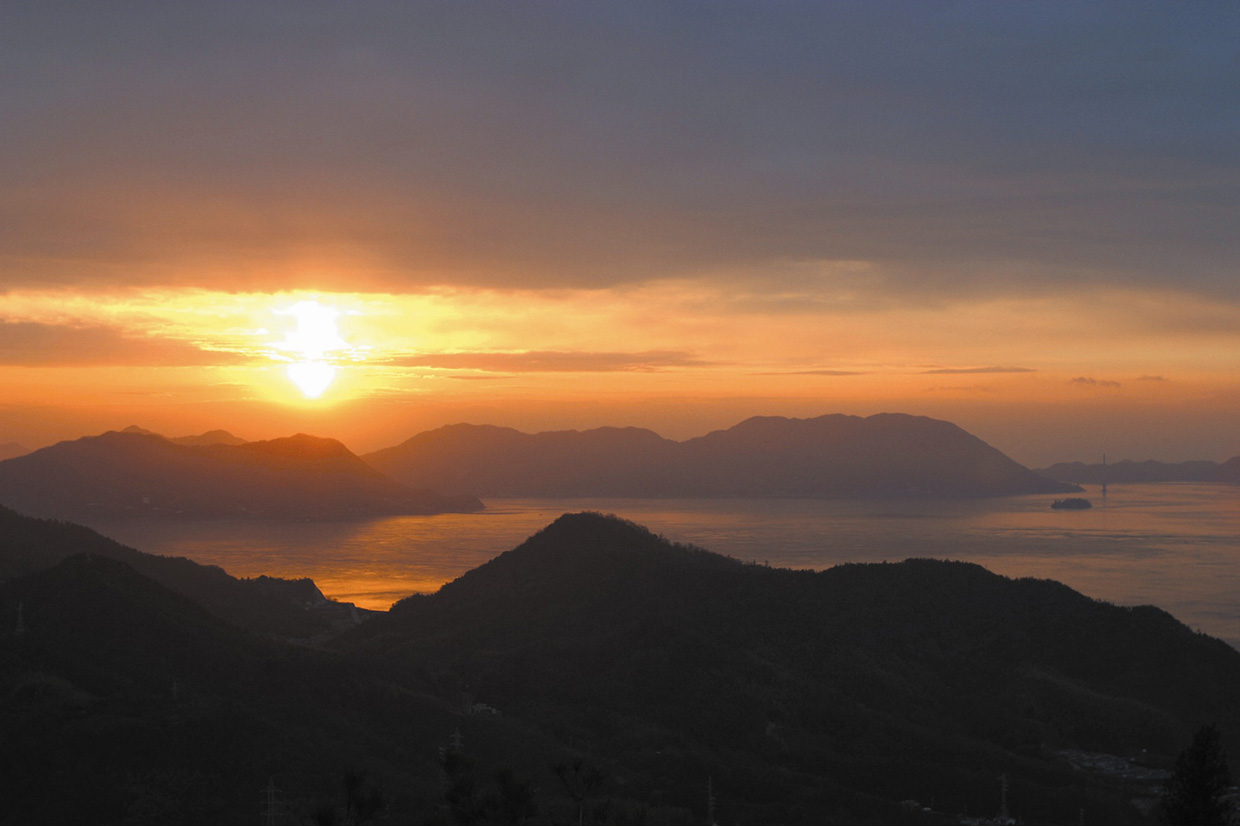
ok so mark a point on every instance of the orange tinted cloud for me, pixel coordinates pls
(551, 361)
(46, 345)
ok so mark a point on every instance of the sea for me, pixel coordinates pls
(1172, 545)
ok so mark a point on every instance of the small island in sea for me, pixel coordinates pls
(1072, 503)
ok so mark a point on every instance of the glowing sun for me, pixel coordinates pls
(311, 341)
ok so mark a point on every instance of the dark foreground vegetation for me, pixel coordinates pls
(594, 674)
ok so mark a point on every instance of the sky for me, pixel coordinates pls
(363, 220)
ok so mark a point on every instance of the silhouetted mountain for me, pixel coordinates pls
(216, 437)
(1128, 471)
(265, 605)
(507, 462)
(814, 693)
(12, 449)
(887, 455)
(146, 476)
(122, 702)
(599, 674)
(1228, 471)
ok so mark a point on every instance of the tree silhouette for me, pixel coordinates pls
(580, 780)
(1194, 792)
(513, 801)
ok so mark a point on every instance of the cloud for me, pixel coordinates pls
(960, 389)
(34, 344)
(551, 361)
(1148, 378)
(822, 372)
(980, 370)
(960, 150)
(1089, 381)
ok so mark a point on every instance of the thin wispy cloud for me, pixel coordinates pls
(1091, 382)
(550, 361)
(812, 372)
(992, 369)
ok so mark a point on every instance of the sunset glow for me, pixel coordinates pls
(314, 339)
(426, 239)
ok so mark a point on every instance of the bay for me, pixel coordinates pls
(1175, 545)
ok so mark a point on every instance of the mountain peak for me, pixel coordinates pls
(597, 528)
(588, 553)
(303, 446)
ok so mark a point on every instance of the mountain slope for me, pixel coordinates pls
(12, 449)
(507, 462)
(887, 455)
(920, 680)
(265, 605)
(144, 475)
(122, 702)
(216, 437)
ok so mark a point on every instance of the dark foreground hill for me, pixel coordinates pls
(137, 475)
(813, 697)
(598, 674)
(122, 702)
(269, 606)
(886, 455)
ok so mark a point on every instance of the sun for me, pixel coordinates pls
(312, 343)
(311, 378)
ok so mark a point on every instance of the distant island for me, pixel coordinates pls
(142, 475)
(1072, 504)
(834, 456)
(1129, 471)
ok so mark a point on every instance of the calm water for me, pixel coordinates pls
(1173, 545)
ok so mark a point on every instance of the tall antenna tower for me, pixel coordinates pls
(272, 804)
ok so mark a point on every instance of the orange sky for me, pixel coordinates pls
(673, 216)
(1037, 378)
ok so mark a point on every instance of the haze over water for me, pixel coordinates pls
(1175, 546)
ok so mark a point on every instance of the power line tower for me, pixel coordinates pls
(271, 802)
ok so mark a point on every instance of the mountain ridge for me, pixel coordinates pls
(836, 456)
(264, 605)
(596, 651)
(914, 679)
(140, 475)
